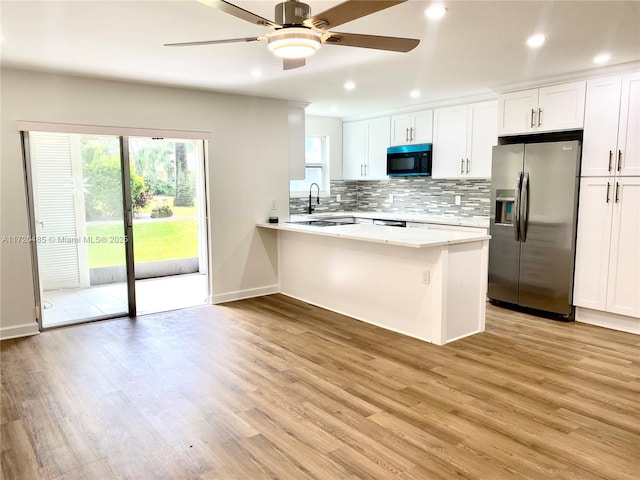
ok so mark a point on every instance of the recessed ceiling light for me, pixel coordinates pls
(435, 11)
(535, 41)
(602, 58)
(256, 72)
(349, 86)
(334, 109)
(414, 94)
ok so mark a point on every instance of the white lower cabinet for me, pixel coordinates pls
(607, 273)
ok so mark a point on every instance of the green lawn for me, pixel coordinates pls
(153, 241)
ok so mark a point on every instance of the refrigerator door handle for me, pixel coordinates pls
(524, 215)
(516, 208)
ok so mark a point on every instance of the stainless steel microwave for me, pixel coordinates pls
(409, 160)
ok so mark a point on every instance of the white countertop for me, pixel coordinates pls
(408, 217)
(405, 237)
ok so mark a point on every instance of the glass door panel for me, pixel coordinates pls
(77, 192)
(169, 230)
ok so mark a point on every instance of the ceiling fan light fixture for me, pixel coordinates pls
(294, 42)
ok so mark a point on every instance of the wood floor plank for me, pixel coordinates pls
(274, 388)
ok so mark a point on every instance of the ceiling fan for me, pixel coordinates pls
(296, 34)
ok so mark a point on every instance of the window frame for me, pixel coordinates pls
(323, 166)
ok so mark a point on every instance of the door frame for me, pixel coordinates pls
(123, 133)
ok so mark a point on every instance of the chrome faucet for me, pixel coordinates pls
(311, 207)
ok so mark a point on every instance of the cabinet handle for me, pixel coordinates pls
(361, 174)
(608, 188)
(617, 189)
(539, 117)
(467, 165)
(610, 158)
(406, 134)
(619, 159)
(533, 112)
(411, 136)
(461, 166)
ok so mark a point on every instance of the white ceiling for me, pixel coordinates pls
(477, 46)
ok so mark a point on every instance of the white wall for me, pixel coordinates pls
(333, 128)
(248, 167)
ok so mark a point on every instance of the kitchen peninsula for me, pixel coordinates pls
(426, 283)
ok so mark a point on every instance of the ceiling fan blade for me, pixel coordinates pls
(212, 42)
(291, 63)
(395, 44)
(347, 11)
(238, 12)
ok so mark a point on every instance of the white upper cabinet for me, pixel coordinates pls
(296, 143)
(409, 128)
(629, 131)
(354, 149)
(483, 136)
(463, 137)
(611, 125)
(377, 149)
(547, 109)
(450, 142)
(365, 144)
(561, 107)
(516, 112)
(600, 139)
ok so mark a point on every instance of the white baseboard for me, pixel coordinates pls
(244, 294)
(608, 320)
(24, 330)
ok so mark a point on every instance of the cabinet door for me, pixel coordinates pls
(378, 143)
(450, 142)
(482, 136)
(592, 242)
(422, 123)
(517, 111)
(624, 261)
(561, 107)
(400, 125)
(600, 137)
(354, 149)
(629, 138)
(297, 169)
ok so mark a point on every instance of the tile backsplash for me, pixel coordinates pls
(410, 195)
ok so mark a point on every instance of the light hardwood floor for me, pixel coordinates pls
(274, 388)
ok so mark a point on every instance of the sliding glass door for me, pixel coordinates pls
(80, 239)
(167, 183)
(118, 225)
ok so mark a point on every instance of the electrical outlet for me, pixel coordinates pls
(338, 198)
(457, 199)
(426, 277)
(391, 198)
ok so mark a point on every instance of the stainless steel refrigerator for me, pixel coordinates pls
(534, 199)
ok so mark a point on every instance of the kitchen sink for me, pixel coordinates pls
(329, 222)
